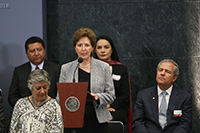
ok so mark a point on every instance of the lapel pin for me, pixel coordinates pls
(153, 97)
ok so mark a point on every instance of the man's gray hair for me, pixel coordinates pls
(37, 76)
(176, 67)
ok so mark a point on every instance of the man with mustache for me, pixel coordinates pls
(35, 52)
(163, 108)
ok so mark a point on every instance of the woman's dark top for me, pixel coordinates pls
(91, 123)
(121, 83)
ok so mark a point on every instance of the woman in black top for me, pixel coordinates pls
(105, 51)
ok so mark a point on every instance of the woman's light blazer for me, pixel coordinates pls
(101, 83)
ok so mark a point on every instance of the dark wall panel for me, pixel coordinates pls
(144, 32)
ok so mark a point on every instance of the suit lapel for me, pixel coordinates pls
(172, 103)
(28, 69)
(45, 67)
(93, 74)
(154, 103)
(25, 72)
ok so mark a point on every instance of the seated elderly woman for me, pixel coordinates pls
(38, 112)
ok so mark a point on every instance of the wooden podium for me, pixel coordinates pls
(72, 101)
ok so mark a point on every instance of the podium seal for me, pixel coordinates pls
(72, 104)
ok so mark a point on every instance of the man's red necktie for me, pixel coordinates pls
(36, 67)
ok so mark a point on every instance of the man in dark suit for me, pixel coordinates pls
(163, 108)
(35, 52)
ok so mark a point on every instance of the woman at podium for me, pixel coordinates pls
(98, 76)
(38, 113)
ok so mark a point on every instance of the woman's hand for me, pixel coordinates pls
(110, 109)
(95, 96)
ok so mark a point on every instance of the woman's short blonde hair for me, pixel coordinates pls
(84, 32)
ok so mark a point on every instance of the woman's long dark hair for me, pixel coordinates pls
(114, 55)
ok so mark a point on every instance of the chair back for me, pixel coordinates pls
(115, 127)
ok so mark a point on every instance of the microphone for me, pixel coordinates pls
(80, 60)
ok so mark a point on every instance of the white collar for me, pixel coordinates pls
(168, 90)
(40, 66)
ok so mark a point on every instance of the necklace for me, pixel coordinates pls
(85, 66)
(38, 105)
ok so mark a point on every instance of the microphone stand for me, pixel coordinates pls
(80, 60)
(74, 73)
